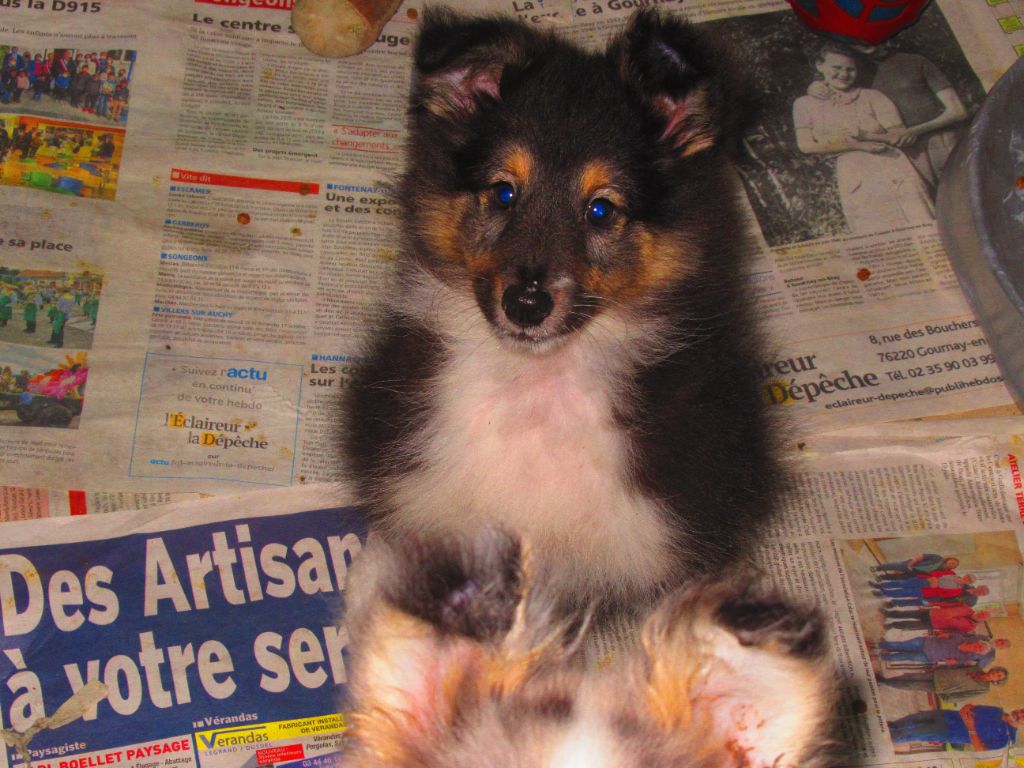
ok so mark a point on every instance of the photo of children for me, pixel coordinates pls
(63, 114)
(941, 620)
(41, 388)
(68, 83)
(68, 158)
(47, 307)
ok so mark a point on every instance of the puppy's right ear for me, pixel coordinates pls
(681, 78)
(460, 61)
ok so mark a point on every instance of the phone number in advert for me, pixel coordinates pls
(931, 369)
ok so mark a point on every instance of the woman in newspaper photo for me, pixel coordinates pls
(927, 102)
(879, 188)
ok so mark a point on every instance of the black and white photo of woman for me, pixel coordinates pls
(926, 99)
(879, 188)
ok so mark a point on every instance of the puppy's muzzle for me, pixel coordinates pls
(526, 304)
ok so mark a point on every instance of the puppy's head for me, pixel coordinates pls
(553, 184)
(464, 666)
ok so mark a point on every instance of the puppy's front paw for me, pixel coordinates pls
(469, 588)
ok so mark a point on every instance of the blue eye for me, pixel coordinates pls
(600, 210)
(504, 194)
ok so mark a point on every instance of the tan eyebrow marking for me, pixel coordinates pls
(595, 176)
(518, 161)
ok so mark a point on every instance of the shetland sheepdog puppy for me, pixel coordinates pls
(473, 668)
(568, 353)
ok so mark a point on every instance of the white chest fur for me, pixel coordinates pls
(530, 443)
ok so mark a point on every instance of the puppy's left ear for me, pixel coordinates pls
(679, 76)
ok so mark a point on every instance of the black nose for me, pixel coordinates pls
(526, 304)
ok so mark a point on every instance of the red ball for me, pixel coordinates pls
(864, 21)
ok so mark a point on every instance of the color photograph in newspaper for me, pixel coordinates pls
(183, 638)
(940, 616)
(46, 305)
(63, 116)
(41, 387)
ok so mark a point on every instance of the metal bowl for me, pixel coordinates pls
(981, 221)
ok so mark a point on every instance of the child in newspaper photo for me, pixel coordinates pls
(44, 306)
(55, 82)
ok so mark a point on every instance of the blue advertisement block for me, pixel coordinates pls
(210, 631)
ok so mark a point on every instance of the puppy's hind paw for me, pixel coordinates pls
(761, 617)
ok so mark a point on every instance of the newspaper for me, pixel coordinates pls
(872, 505)
(20, 503)
(197, 634)
(192, 252)
(125, 601)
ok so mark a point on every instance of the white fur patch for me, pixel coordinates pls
(770, 706)
(587, 744)
(529, 442)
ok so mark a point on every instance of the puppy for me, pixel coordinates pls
(569, 352)
(470, 667)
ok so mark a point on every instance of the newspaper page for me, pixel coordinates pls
(914, 549)
(200, 634)
(20, 503)
(197, 224)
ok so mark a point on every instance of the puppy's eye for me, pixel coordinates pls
(504, 194)
(600, 210)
